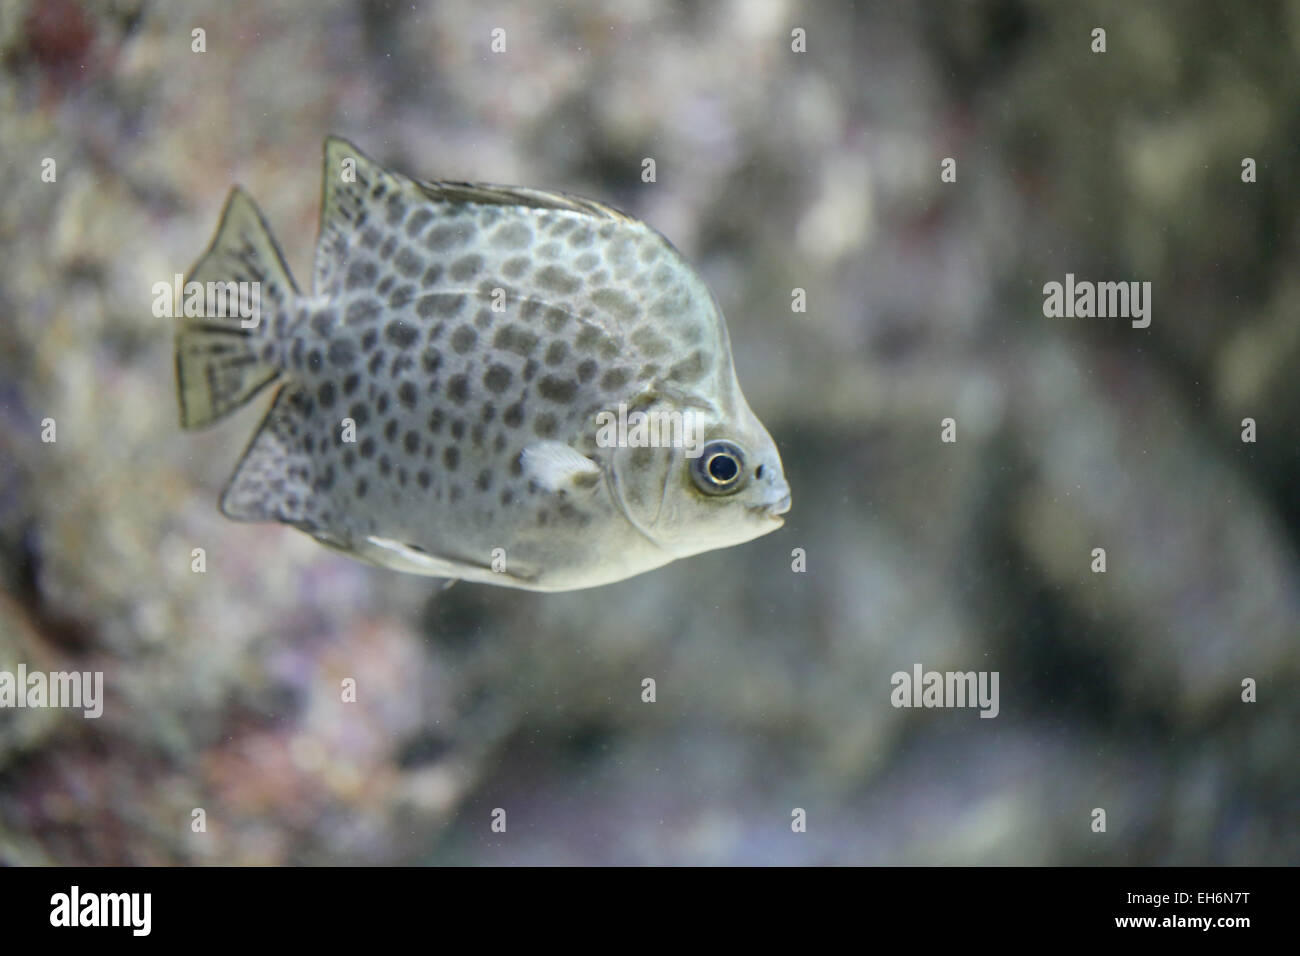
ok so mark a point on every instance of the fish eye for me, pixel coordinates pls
(719, 469)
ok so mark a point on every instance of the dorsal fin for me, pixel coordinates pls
(489, 194)
(370, 193)
(354, 187)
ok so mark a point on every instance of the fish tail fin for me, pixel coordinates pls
(231, 351)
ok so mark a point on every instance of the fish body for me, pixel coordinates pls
(443, 390)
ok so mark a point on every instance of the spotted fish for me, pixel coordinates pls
(443, 391)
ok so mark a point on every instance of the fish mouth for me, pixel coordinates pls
(775, 510)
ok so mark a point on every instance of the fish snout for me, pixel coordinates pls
(775, 493)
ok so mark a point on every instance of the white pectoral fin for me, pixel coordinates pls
(557, 467)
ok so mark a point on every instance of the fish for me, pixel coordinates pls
(471, 388)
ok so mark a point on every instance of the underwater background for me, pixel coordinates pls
(776, 170)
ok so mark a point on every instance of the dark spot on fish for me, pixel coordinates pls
(436, 418)
(544, 425)
(362, 274)
(350, 383)
(690, 369)
(512, 235)
(315, 361)
(362, 486)
(458, 389)
(497, 379)
(444, 237)
(514, 415)
(359, 413)
(376, 362)
(367, 447)
(406, 394)
(401, 334)
(411, 442)
(390, 430)
(507, 497)
(432, 275)
(342, 353)
(466, 268)
(614, 379)
(451, 457)
(464, 339)
(484, 480)
(515, 267)
(361, 311)
(458, 429)
(423, 478)
(556, 389)
(651, 344)
(370, 237)
(449, 305)
(385, 466)
(512, 338)
(457, 493)
(557, 280)
(401, 363)
(322, 323)
(587, 370)
(589, 338)
(616, 303)
(556, 352)
(369, 339)
(581, 238)
(326, 395)
(407, 263)
(401, 297)
(385, 284)
(430, 360)
(556, 319)
(419, 219)
(530, 369)
(483, 318)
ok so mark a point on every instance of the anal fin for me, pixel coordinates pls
(273, 479)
